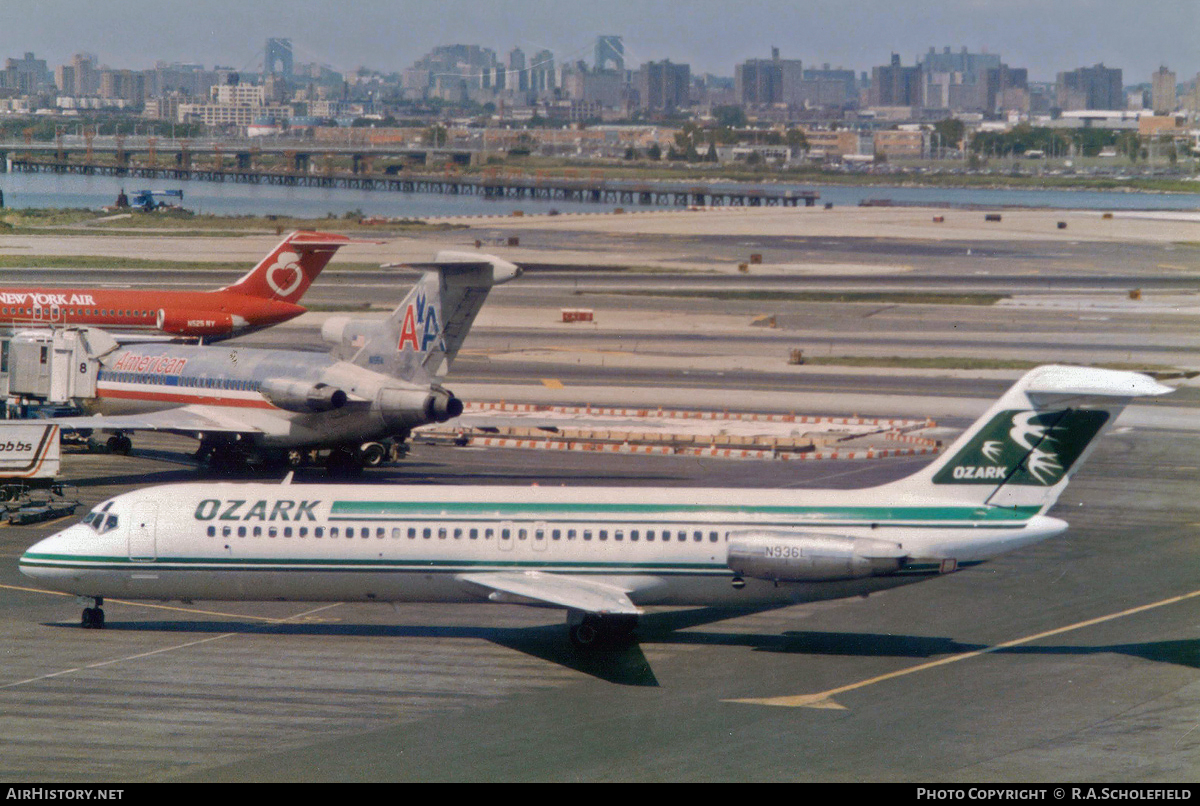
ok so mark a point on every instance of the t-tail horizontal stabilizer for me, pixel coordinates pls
(1022, 451)
(420, 339)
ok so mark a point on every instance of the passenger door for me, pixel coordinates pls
(141, 535)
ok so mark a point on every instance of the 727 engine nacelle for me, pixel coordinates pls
(408, 408)
(301, 396)
(811, 557)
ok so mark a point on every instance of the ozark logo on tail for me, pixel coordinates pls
(1024, 447)
(420, 326)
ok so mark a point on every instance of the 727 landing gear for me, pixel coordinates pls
(93, 617)
(119, 443)
(594, 631)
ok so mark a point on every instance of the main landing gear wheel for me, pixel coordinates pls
(120, 444)
(93, 617)
(372, 454)
(595, 631)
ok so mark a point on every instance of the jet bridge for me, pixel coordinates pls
(56, 366)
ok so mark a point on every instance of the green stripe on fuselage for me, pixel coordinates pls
(383, 510)
(333, 564)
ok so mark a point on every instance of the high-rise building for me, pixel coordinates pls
(64, 78)
(1008, 89)
(1096, 87)
(791, 79)
(125, 85)
(278, 58)
(451, 72)
(189, 80)
(541, 72)
(663, 86)
(598, 88)
(519, 78)
(956, 81)
(610, 53)
(893, 85)
(758, 81)
(80, 78)
(769, 81)
(26, 75)
(972, 66)
(235, 105)
(1163, 91)
(825, 87)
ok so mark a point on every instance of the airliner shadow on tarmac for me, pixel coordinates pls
(881, 645)
(626, 665)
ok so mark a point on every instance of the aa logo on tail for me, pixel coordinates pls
(1024, 447)
(420, 327)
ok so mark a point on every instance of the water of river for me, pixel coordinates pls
(73, 191)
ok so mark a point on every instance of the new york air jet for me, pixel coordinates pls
(260, 406)
(600, 554)
(267, 295)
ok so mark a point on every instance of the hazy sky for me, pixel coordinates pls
(1046, 36)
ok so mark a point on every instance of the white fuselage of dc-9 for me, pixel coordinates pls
(599, 553)
(670, 547)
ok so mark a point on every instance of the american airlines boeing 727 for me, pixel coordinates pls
(256, 406)
(601, 554)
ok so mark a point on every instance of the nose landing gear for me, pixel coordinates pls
(93, 617)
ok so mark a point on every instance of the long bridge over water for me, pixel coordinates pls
(295, 165)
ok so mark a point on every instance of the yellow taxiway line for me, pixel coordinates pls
(824, 699)
(161, 650)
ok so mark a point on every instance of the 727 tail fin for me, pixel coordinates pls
(424, 334)
(1023, 450)
(287, 272)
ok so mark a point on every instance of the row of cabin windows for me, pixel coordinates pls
(79, 311)
(196, 383)
(472, 533)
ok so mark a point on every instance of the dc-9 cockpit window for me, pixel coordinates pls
(95, 518)
(101, 521)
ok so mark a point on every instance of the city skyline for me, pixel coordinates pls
(710, 35)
